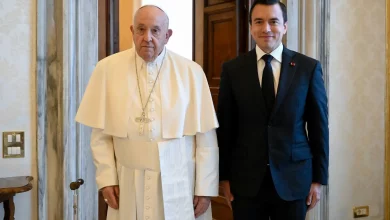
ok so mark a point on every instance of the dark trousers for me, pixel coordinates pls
(268, 205)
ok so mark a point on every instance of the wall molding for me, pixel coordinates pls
(67, 51)
(41, 86)
(323, 45)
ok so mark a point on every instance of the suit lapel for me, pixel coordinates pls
(286, 76)
(250, 67)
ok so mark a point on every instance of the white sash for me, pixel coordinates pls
(177, 174)
(177, 190)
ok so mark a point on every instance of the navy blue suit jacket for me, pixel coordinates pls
(297, 157)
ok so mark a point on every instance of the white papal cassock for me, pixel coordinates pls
(160, 165)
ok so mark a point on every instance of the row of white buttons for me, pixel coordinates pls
(151, 69)
(151, 107)
(147, 207)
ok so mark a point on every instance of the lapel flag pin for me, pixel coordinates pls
(292, 64)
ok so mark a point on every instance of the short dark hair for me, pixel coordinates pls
(269, 2)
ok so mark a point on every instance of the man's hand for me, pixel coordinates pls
(201, 204)
(111, 196)
(226, 191)
(314, 195)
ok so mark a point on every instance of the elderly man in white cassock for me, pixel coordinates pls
(153, 128)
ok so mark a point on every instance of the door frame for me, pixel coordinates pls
(66, 49)
(108, 38)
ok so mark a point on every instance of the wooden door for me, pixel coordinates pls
(108, 27)
(221, 33)
(108, 38)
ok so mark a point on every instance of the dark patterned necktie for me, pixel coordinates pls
(268, 84)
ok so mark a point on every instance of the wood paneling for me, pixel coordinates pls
(246, 43)
(220, 207)
(220, 45)
(220, 8)
(102, 17)
(108, 27)
(225, 36)
(114, 32)
(102, 207)
(198, 31)
(214, 2)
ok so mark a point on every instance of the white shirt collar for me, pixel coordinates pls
(277, 53)
(158, 61)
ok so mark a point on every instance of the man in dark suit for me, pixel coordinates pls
(273, 115)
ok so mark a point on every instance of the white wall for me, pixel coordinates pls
(357, 98)
(180, 21)
(17, 94)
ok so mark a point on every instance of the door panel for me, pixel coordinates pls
(220, 44)
(224, 30)
(214, 2)
(108, 27)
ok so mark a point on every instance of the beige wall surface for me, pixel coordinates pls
(126, 13)
(17, 94)
(356, 109)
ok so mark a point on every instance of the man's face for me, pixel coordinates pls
(268, 26)
(150, 32)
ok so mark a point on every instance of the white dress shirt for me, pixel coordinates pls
(276, 64)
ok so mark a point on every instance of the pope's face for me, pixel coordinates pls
(150, 32)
